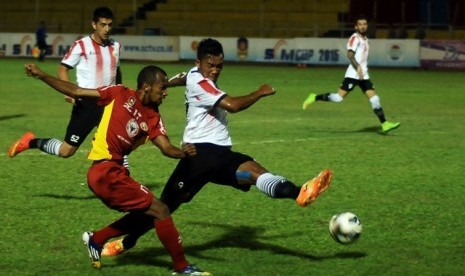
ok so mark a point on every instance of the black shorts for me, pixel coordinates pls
(85, 116)
(213, 163)
(349, 84)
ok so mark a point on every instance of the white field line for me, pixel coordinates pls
(36, 152)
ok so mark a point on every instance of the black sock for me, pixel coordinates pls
(286, 189)
(323, 97)
(380, 114)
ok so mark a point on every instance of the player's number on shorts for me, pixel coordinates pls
(74, 138)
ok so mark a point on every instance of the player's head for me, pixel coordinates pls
(102, 12)
(210, 58)
(102, 22)
(152, 82)
(361, 24)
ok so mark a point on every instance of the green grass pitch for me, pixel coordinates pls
(407, 187)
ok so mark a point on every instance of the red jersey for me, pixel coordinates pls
(125, 124)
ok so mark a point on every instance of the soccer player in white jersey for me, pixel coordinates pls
(215, 162)
(356, 74)
(96, 59)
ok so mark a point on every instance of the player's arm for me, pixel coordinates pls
(119, 76)
(236, 104)
(63, 74)
(178, 80)
(64, 87)
(162, 142)
(354, 63)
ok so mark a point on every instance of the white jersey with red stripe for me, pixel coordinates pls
(206, 122)
(359, 45)
(95, 63)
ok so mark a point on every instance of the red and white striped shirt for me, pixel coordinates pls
(95, 64)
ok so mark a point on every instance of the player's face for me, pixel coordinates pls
(211, 66)
(158, 91)
(362, 26)
(102, 29)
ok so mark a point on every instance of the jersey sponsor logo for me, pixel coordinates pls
(144, 126)
(132, 128)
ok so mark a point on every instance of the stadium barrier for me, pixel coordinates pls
(309, 51)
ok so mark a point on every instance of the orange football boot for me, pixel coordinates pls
(313, 188)
(21, 145)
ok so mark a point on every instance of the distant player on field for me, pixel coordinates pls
(207, 128)
(356, 74)
(96, 59)
(130, 118)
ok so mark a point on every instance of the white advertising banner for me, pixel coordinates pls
(313, 51)
(316, 51)
(156, 48)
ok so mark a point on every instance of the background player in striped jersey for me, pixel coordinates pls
(96, 59)
(130, 118)
(356, 74)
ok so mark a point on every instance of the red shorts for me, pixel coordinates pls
(111, 183)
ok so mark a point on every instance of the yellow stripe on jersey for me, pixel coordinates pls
(99, 143)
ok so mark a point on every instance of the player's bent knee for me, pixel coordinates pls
(67, 150)
(158, 210)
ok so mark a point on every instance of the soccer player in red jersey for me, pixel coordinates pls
(130, 118)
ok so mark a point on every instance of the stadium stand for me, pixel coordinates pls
(250, 18)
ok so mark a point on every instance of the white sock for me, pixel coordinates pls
(267, 183)
(335, 97)
(52, 146)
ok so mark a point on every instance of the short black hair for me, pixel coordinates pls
(208, 47)
(148, 75)
(102, 12)
(360, 17)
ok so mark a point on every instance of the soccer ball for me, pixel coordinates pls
(345, 227)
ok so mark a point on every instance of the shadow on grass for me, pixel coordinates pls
(13, 116)
(372, 129)
(245, 237)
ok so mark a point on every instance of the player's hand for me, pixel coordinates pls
(178, 80)
(70, 100)
(33, 71)
(266, 90)
(189, 149)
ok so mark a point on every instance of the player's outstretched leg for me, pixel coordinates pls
(311, 98)
(93, 248)
(21, 145)
(313, 188)
(388, 126)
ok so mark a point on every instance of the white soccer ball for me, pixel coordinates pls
(345, 227)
